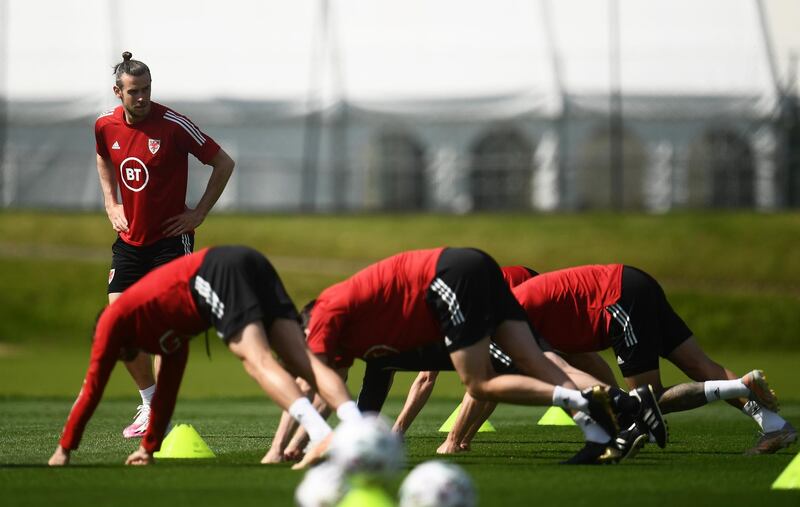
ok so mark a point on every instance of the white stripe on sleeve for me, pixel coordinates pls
(190, 129)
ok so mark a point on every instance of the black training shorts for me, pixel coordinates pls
(469, 298)
(380, 371)
(236, 286)
(435, 357)
(130, 263)
(644, 326)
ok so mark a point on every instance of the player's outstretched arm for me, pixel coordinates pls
(139, 457)
(314, 455)
(472, 415)
(286, 427)
(418, 395)
(295, 450)
(59, 458)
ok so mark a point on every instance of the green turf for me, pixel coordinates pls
(515, 466)
(51, 371)
(751, 249)
(734, 277)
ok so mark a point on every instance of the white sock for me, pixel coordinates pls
(767, 419)
(569, 399)
(591, 430)
(147, 394)
(304, 413)
(348, 411)
(725, 389)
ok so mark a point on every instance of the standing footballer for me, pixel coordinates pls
(142, 149)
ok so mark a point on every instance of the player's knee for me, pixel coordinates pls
(477, 389)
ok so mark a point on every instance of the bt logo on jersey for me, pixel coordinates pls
(133, 174)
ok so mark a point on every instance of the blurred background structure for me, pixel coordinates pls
(445, 105)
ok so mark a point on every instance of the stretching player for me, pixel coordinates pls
(590, 308)
(377, 381)
(235, 290)
(457, 296)
(142, 150)
(429, 360)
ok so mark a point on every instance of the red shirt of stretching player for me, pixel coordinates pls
(157, 315)
(380, 310)
(568, 307)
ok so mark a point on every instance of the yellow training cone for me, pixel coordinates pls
(486, 427)
(184, 442)
(367, 496)
(790, 477)
(556, 416)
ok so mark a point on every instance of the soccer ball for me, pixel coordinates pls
(367, 446)
(437, 484)
(322, 486)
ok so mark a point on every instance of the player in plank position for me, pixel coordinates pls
(429, 361)
(379, 375)
(238, 292)
(456, 296)
(581, 310)
(143, 150)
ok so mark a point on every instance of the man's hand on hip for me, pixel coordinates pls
(116, 214)
(187, 221)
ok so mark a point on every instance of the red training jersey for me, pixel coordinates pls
(568, 307)
(157, 314)
(515, 275)
(378, 311)
(152, 166)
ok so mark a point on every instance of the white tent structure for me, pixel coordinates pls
(379, 104)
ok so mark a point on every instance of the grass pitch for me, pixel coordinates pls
(734, 277)
(517, 465)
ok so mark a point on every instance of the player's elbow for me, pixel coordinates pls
(226, 170)
(223, 164)
(228, 163)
